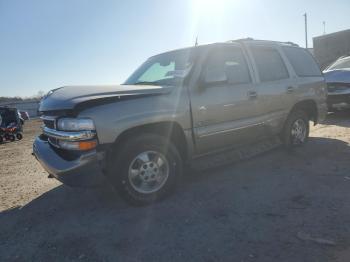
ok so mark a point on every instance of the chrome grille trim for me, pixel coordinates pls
(69, 136)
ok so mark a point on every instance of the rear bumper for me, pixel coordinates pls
(84, 171)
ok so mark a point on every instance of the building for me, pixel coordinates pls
(30, 106)
(329, 47)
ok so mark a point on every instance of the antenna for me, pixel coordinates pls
(324, 27)
(305, 15)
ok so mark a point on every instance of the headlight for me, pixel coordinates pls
(75, 124)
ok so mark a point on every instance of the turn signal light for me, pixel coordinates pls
(87, 145)
(78, 145)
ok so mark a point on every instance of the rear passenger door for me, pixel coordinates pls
(224, 111)
(310, 81)
(275, 88)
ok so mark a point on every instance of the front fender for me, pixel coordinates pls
(113, 119)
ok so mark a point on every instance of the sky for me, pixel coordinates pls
(45, 44)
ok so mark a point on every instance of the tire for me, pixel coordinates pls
(19, 136)
(1, 140)
(145, 169)
(296, 129)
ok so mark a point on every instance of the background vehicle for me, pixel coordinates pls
(176, 108)
(337, 76)
(11, 127)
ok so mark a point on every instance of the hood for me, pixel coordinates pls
(68, 97)
(337, 76)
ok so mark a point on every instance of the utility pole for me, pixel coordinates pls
(305, 16)
(195, 44)
(324, 27)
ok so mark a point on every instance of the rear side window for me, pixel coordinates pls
(302, 61)
(269, 63)
(229, 62)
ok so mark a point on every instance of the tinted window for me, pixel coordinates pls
(302, 61)
(270, 64)
(230, 63)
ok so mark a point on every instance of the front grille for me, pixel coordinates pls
(53, 141)
(49, 123)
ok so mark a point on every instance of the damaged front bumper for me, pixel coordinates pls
(84, 169)
(338, 97)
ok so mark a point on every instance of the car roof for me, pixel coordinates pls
(236, 41)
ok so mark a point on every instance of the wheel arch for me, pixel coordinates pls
(309, 107)
(168, 129)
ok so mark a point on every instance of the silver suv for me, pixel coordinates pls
(177, 107)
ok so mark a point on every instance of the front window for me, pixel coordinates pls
(230, 64)
(168, 69)
(342, 63)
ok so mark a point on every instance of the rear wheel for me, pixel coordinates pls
(145, 169)
(19, 136)
(296, 129)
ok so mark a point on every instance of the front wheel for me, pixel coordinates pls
(296, 129)
(145, 169)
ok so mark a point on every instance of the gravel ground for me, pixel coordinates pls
(278, 206)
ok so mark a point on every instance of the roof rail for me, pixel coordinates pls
(241, 39)
(252, 39)
(290, 43)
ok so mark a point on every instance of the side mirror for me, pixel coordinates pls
(214, 76)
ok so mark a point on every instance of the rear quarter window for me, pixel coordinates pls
(269, 63)
(302, 61)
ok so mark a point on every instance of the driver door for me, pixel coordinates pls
(224, 105)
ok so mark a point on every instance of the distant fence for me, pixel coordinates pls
(29, 106)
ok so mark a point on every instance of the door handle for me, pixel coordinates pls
(290, 89)
(252, 94)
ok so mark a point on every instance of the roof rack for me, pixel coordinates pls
(241, 39)
(290, 43)
(252, 39)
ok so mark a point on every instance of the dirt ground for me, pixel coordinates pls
(278, 206)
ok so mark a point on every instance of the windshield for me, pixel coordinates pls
(169, 69)
(340, 64)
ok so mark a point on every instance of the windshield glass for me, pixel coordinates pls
(340, 64)
(169, 69)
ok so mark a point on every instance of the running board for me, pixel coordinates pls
(235, 155)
